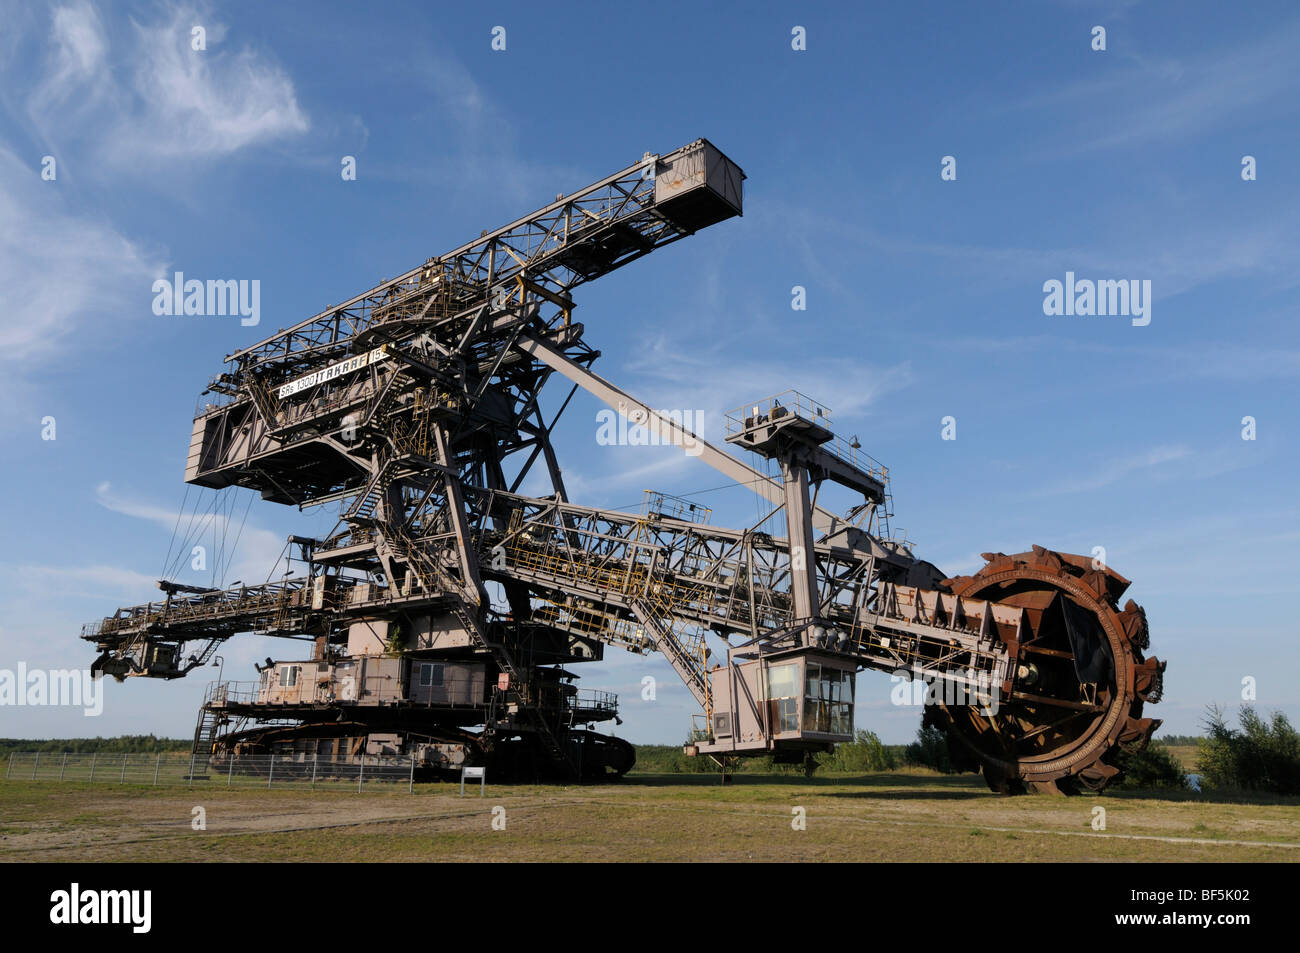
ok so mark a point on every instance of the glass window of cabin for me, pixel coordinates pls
(812, 671)
(431, 675)
(841, 714)
(787, 714)
(828, 700)
(783, 692)
(816, 698)
(783, 680)
(814, 709)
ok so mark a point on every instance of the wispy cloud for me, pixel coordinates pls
(257, 549)
(1176, 256)
(160, 515)
(121, 103)
(150, 98)
(58, 267)
(1223, 360)
(1116, 470)
(78, 57)
(1159, 99)
(478, 146)
(687, 375)
(84, 580)
(210, 103)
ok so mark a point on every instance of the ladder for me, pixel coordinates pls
(367, 501)
(533, 715)
(206, 653)
(427, 574)
(392, 390)
(686, 658)
(205, 734)
(262, 400)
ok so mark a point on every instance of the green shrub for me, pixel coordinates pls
(669, 759)
(125, 744)
(1153, 767)
(930, 750)
(1261, 756)
(863, 754)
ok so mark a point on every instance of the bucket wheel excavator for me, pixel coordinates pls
(1083, 679)
(446, 611)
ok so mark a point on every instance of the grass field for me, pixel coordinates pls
(1187, 755)
(881, 817)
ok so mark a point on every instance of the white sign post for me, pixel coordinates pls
(471, 773)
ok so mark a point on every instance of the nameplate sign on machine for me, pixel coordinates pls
(334, 370)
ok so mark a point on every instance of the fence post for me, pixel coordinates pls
(361, 775)
(314, 759)
(410, 788)
(63, 767)
(94, 755)
(122, 779)
(35, 765)
(193, 755)
(156, 765)
(10, 766)
(270, 771)
(230, 766)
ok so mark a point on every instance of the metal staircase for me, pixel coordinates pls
(206, 733)
(367, 501)
(532, 715)
(388, 396)
(262, 400)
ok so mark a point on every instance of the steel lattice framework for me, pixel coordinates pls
(415, 407)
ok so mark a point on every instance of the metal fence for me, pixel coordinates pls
(181, 768)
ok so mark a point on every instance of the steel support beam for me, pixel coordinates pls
(627, 405)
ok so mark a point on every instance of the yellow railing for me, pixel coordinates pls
(576, 568)
(593, 622)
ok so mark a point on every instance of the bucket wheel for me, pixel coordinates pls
(1080, 683)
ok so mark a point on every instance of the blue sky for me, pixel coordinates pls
(924, 296)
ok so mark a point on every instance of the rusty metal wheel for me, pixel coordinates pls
(1081, 679)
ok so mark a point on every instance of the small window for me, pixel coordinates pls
(787, 714)
(289, 676)
(431, 675)
(828, 700)
(783, 680)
